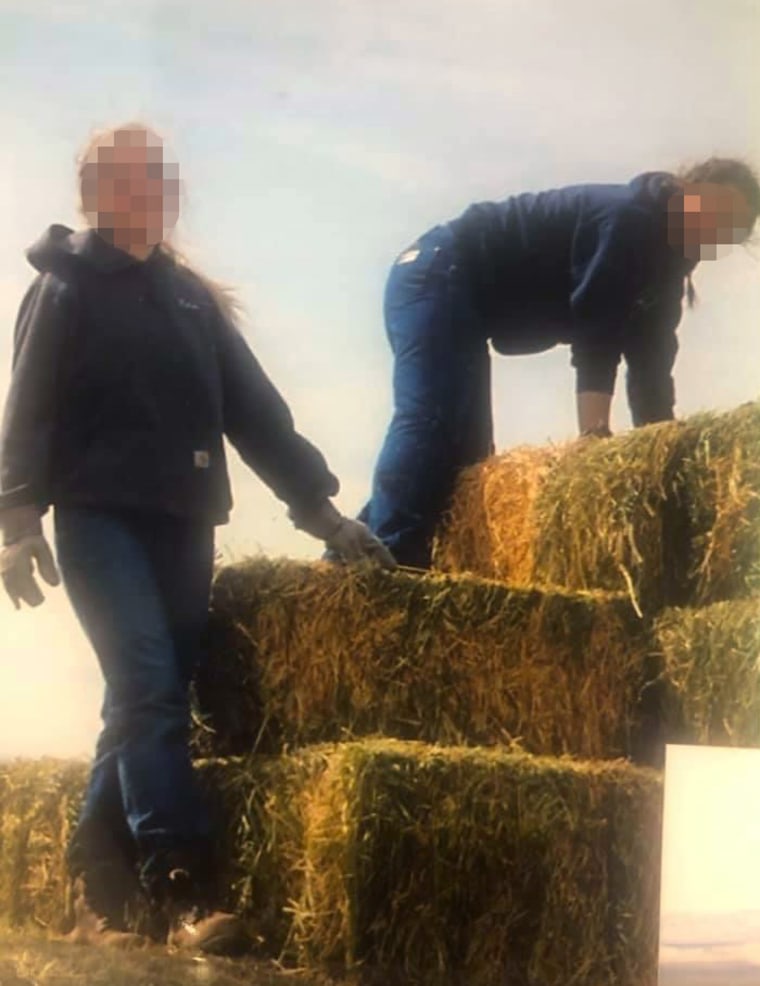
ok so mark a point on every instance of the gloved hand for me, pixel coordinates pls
(349, 539)
(24, 543)
(353, 541)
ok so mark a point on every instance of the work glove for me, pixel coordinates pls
(353, 541)
(349, 540)
(23, 544)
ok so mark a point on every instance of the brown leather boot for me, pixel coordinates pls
(95, 923)
(194, 924)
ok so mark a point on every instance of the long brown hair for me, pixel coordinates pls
(224, 296)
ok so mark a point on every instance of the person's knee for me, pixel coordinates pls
(159, 710)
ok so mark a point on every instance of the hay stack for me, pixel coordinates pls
(432, 865)
(669, 513)
(39, 804)
(711, 673)
(308, 653)
(490, 529)
(428, 863)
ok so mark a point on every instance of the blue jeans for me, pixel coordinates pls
(442, 419)
(139, 585)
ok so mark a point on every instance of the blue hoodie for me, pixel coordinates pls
(587, 265)
(125, 378)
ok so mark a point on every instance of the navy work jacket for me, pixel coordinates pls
(126, 376)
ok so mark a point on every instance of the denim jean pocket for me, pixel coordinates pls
(421, 269)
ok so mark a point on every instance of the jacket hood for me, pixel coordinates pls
(60, 249)
(654, 186)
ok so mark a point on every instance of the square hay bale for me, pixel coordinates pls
(255, 805)
(39, 805)
(709, 690)
(305, 653)
(411, 863)
(669, 513)
(490, 527)
(454, 865)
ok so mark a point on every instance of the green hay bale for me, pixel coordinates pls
(304, 653)
(669, 512)
(439, 865)
(418, 864)
(255, 807)
(39, 804)
(710, 685)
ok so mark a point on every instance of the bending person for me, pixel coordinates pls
(601, 268)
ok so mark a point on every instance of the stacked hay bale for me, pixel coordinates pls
(427, 779)
(669, 513)
(316, 653)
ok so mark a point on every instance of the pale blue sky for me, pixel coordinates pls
(317, 139)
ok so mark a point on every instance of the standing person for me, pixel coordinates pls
(127, 372)
(599, 267)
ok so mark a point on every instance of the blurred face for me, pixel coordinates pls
(129, 193)
(705, 216)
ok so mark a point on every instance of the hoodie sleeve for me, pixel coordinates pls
(606, 274)
(650, 351)
(260, 426)
(29, 415)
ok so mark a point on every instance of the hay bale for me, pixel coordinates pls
(305, 653)
(711, 673)
(39, 805)
(490, 528)
(255, 807)
(669, 513)
(453, 865)
(419, 864)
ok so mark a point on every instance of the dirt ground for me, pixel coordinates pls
(30, 959)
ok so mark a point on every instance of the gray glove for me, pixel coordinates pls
(24, 543)
(349, 539)
(353, 541)
(17, 571)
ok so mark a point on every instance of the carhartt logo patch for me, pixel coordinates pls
(201, 459)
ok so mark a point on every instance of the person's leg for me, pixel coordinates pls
(102, 851)
(441, 420)
(182, 560)
(117, 570)
(180, 873)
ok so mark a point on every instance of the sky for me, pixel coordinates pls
(316, 140)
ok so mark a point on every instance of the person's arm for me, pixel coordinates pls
(29, 414)
(594, 413)
(25, 443)
(259, 424)
(605, 276)
(650, 352)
